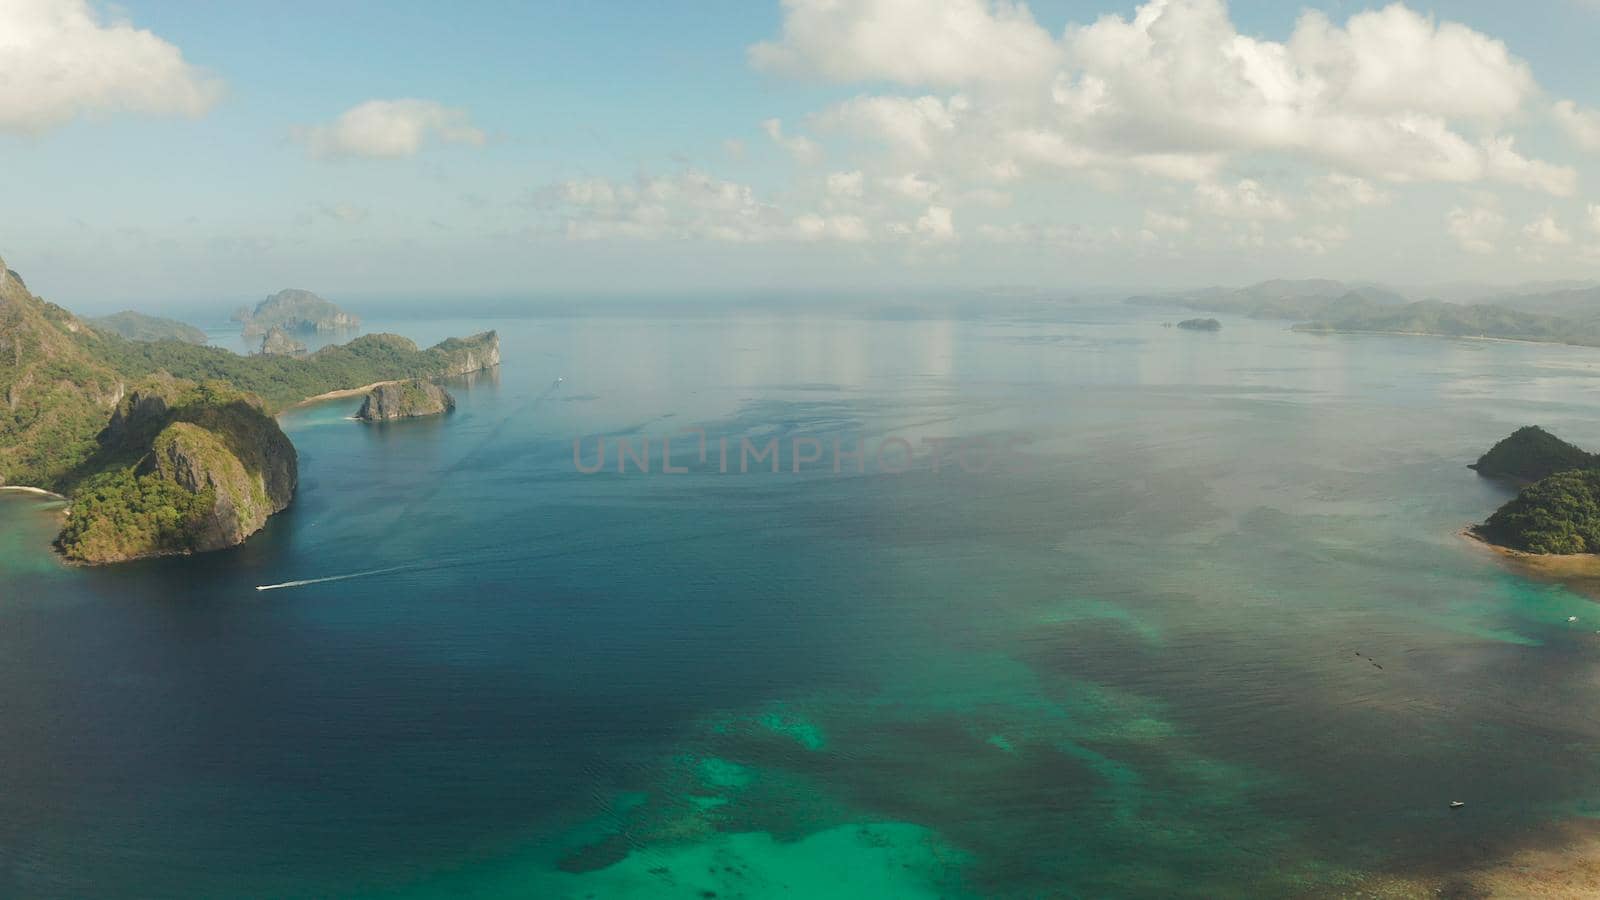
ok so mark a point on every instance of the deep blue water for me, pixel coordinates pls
(1211, 632)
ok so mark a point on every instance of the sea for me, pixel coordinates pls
(1034, 602)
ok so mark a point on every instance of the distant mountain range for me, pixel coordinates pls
(1565, 313)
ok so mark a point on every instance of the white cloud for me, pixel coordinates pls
(1582, 125)
(1337, 192)
(390, 129)
(804, 150)
(937, 224)
(59, 59)
(847, 229)
(1547, 231)
(1505, 164)
(1247, 199)
(1477, 230)
(1394, 60)
(1155, 220)
(913, 186)
(920, 42)
(1594, 217)
(912, 127)
(846, 185)
(1174, 91)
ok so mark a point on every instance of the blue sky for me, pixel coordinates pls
(630, 147)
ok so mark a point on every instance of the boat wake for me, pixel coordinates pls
(311, 581)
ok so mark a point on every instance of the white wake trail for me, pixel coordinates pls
(308, 581)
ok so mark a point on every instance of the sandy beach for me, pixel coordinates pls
(1579, 572)
(18, 489)
(335, 395)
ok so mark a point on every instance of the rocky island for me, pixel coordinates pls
(1558, 511)
(408, 399)
(277, 342)
(166, 447)
(295, 311)
(180, 468)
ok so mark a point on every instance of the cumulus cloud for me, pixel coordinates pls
(1476, 230)
(804, 150)
(913, 127)
(1547, 231)
(913, 186)
(390, 129)
(846, 185)
(59, 59)
(1246, 199)
(1337, 192)
(916, 42)
(1174, 91)
(1582, 125)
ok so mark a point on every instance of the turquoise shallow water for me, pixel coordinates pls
(1217, 636)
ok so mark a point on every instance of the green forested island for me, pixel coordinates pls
(1558, 512)
(165, 446)
(1531, 453)
(1200, 325)
(137, 326)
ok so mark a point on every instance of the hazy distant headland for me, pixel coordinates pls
(164, 446)
(295, 311)
(1559, 314)
(136, 326)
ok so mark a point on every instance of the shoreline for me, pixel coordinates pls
(1435, 334)
(37, 492)
(339, 394)
(1567, 567)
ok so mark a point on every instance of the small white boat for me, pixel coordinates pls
(1457, 804)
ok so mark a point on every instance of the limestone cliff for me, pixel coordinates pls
(277, 342)
(186, 469)
(405, 400)
(463, 356)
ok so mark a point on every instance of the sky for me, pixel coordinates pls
(160, 151)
